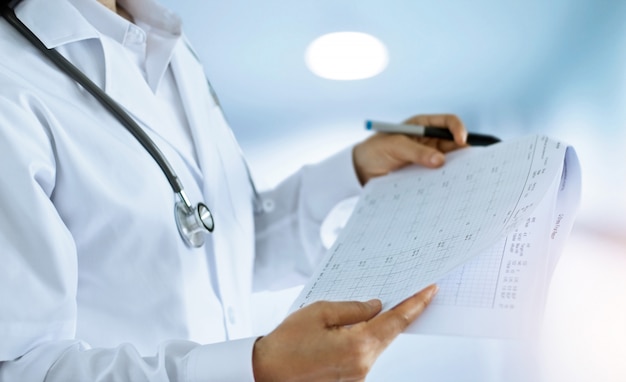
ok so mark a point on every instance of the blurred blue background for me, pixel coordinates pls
(506, 68)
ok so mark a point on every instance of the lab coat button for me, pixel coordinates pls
(231, 315)
(136, 35)
(268, 205)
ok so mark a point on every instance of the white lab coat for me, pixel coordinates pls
(90, 254)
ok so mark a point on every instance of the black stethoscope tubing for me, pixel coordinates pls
(93, 89)
(192, 222)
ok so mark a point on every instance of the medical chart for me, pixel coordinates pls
(487, 227)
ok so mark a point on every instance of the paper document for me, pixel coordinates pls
(487, 227)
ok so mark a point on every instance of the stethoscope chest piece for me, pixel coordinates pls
(193, 223)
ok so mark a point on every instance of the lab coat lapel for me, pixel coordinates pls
(58, 23)
(197, 102)
(128, 87)
(221, 164)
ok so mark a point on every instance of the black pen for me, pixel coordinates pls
(473, 139)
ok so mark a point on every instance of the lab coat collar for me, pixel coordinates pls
(55, 22)
(59, 22)
(155, 15)
(102, 19)
(161, 27)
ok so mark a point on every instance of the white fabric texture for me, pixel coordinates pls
(96, 283)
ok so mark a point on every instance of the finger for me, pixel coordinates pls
(347, 312)
(393, 322)
(447, 146)
(408, 150)
(449, 121)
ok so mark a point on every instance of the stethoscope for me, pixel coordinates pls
(193, 221)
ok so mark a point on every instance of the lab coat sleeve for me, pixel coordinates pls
(288, 240)
(38, 281)
(174, 361)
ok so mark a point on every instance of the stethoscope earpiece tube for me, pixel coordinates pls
(192, 222)
(93, 89)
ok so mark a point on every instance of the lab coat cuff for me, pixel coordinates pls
(224, 362)
(338, 178)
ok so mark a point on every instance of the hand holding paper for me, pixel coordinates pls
(411, 228)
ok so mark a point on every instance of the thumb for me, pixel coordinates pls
(350, 312)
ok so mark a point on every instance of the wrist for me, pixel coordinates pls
(259, 367)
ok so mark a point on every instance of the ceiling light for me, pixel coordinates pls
(346, 56)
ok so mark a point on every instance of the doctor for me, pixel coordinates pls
(96, 282)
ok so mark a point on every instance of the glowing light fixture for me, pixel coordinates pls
(346, 56)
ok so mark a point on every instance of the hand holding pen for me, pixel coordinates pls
(380, 154)
(423, 130)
